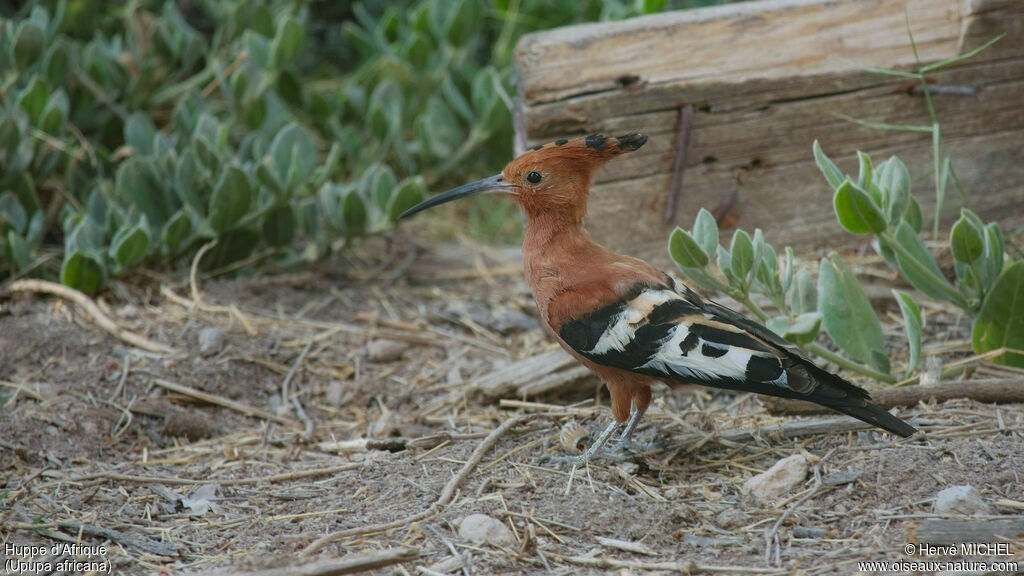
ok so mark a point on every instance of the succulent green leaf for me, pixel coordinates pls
(10, 130)
(29, 43)
(12, 213)
(279, 225)
(287, 42)
(742, 251)
(828, 168)
(705, 231)
(865, 176)
(912, 328)
(847, 313)
(177, 230)
(418, 49)
(913, 215)
(918, 265)
(36, 227)
(56, 63)
(378, 183)
(787, 274)
(55, 113)
(290, 89)
(1000, 323)
(265, 173)
(856, 210)
(232, 247)
(409, 193)
(83, 272)
(129, 245)
(767, 265)
(261, 19)
(294, 154)
(138, 185)
(33, 99)
(724, 260)
(804, 297)
(17, 250)
(139, 133)
(804, 328)
(231, 201)
(465, 23)
(385, 110)
(456, 101)
(353, 213)
(966, 240)
(895, 179)
(994, 249)
(254, 112)
(685, 250)
(778, 324)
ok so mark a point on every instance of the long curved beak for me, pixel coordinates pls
(491, 184)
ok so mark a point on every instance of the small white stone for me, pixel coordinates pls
(333, 393)
(383, 350)
(782, 477)
(483, 529)
(960, 500)
(211, 340)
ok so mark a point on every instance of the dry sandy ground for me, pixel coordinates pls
(100, 446)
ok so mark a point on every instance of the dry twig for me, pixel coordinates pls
(223, 482)
(130, 540)
(94, 312)
(222, 402)
(998, 391)
(349, 564)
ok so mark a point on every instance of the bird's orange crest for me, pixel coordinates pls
(554, 178)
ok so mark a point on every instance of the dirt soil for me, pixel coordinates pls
(343, 424)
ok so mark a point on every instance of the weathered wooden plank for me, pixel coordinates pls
(777, 39)
(792, 204)
(782, 134)
(766, 80)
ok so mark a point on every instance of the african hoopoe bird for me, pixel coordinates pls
(630, 323)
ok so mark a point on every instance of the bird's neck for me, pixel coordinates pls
(553, 233)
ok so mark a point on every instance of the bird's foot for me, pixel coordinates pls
(611, 453)
(635, 448)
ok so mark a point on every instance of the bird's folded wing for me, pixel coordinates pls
(677, 336)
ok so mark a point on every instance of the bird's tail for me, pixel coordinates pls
(875, 414)
(842, 396)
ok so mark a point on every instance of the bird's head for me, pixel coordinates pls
(552, 179)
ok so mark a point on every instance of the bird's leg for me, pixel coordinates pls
(601, 441)
(634, 420)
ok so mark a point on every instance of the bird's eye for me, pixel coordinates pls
(533, 177)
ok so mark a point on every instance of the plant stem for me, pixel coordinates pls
(754, 308)
(819, 350)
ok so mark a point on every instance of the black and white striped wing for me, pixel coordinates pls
(673, 336)
(676, 336)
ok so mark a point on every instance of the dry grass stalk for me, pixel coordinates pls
(94, 312)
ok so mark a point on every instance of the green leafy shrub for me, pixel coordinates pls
(137, 146)
(131, 135)
(988, 284)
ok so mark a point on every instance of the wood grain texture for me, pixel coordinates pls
(766, 79)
